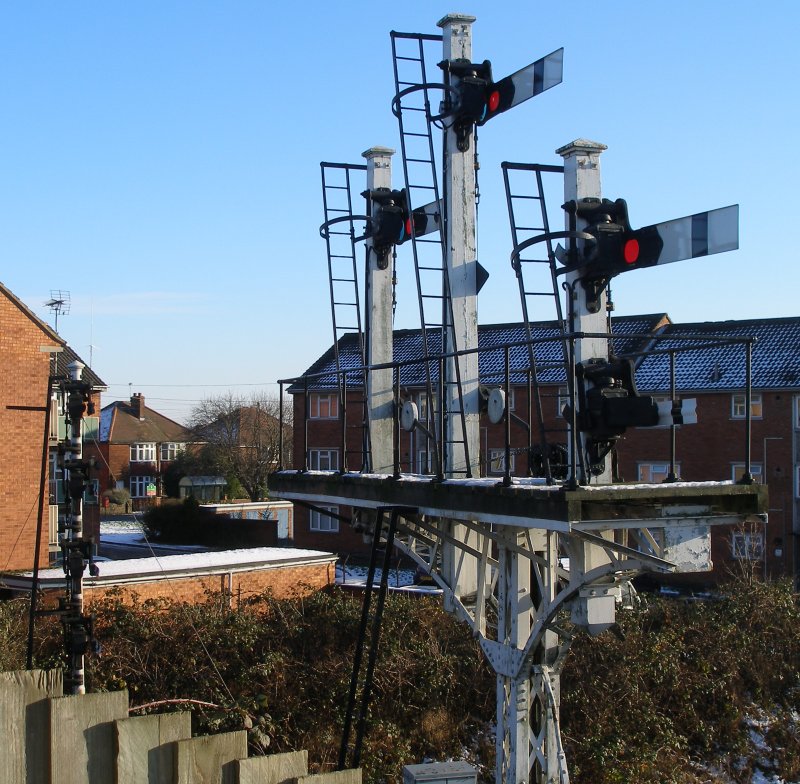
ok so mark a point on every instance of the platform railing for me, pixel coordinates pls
(512, 376)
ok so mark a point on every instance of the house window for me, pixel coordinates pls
(510, 404)
(737, 471)
(324, 523)
(748, 546)
(56, 480)
(739, 405)
(655, 473)
(171, 449)
(422, 405)
(324, 406)
(497, 461)
(143, 453)
(425, 461)
(139, 486)
(563, 400)
(323, 459)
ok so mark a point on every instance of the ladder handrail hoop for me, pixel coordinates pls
(424, 86)
(371, 222)
(553, 235)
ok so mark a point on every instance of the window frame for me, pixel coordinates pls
(498, 456)
(424, 455)
(747, 545)
(316, 518)
(176, 447)
(562, 400)
(319, 401)
(652, 465)
(739, 405)
(756, 471)
(143, 447)
(314, 461)
(140, 480)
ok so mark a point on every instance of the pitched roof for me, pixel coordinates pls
(65, 358)
(67, 355)
(631, 334)
(718, 360)
(46, 328)
(120, 424)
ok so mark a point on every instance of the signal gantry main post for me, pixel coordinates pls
(460, 568)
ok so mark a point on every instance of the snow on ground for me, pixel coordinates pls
(357, 575)
(129, 530)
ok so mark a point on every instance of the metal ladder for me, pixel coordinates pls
(534, 263)
(415, 81)
(339, 233)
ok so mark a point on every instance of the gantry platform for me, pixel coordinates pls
(528, 503)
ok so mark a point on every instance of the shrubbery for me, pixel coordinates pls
(662, 705)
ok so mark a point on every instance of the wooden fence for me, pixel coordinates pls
(48, 738)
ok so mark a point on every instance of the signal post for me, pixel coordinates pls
(379, 342)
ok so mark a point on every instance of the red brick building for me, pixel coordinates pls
(137, 445)
(710, 366)
(32, 353)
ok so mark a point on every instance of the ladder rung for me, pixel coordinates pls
(418, 160)
(520, 196)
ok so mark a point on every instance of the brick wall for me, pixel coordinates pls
(711, 448)
(23, 383)
(283, 582)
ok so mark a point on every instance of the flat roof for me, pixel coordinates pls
(138, 570)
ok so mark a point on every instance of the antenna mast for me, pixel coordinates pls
(60, 303)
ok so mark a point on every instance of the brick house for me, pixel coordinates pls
(31, 354)
(713, 372)
(137, 445)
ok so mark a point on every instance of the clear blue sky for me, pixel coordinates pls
(160, 160)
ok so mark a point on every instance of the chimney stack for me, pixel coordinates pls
(137, 404)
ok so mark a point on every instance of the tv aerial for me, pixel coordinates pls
(60, 303)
